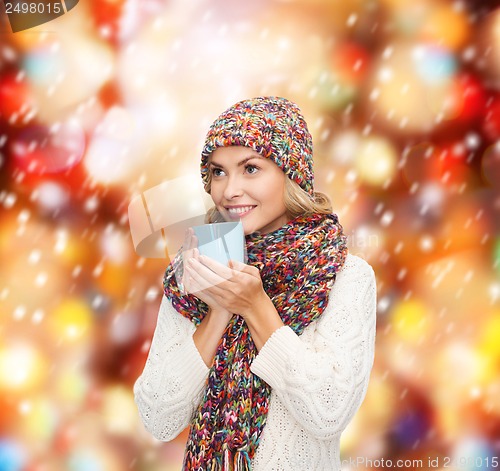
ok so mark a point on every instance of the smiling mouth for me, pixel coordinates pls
(237, 213)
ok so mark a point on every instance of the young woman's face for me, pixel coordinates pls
(249, 187)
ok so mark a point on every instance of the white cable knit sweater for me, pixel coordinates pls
(318, 379)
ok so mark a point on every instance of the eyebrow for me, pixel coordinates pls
(243, 162)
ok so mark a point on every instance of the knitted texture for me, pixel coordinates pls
(273, 127)
(298, 265)
(318, 380)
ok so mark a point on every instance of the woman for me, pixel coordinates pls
(267, 362)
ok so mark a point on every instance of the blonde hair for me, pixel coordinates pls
(297, 202)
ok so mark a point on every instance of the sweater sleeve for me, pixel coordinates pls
(322, 378)
(171, 385)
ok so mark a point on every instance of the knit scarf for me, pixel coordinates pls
(298, 264)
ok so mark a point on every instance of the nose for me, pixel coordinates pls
(233, 188)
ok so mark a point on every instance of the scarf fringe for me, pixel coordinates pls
(242, 461)
(239, 462)
(227, 461)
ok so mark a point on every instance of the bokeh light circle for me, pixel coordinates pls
(51, 195)
(119, 410)
(71, 387)
(343, 147)
(40, 420)
(64, 71)
(22, 366)
(491, 121)
(409, 90)
(491, 40)
(115, 150)
(490, 165)
(41, 149)
(376, 161)
(411, 320)
(12, 455)
(447, 25)
(466, 99)
(16, 99)
(124, 328)
(71, 320)
(416, 161)
(91, 458)
(433, 64)
(488, 343)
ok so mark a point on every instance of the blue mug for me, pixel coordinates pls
(222, 241)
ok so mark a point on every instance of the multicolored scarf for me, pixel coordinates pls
(298, 264)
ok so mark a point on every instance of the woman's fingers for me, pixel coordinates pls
(186, 246)
(193, 284)
(194, 240)
(187, 254)
(187, 238)
(222, 270)
(190, 243)
(244, 268)
(203, 275)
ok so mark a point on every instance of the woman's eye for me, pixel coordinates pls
(215, 172)
(251, 168)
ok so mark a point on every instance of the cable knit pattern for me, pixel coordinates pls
(318, 380)
(171, 385)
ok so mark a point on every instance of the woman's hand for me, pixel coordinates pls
(237, 288)
(191, 284)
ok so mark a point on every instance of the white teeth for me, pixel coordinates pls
(240, 210)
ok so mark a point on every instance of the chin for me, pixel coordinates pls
(247, 229)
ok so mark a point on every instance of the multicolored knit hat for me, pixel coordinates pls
(272, 126)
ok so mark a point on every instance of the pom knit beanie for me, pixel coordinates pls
(273, 127)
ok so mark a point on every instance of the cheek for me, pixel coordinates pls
(273, 193)
(215, 194)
